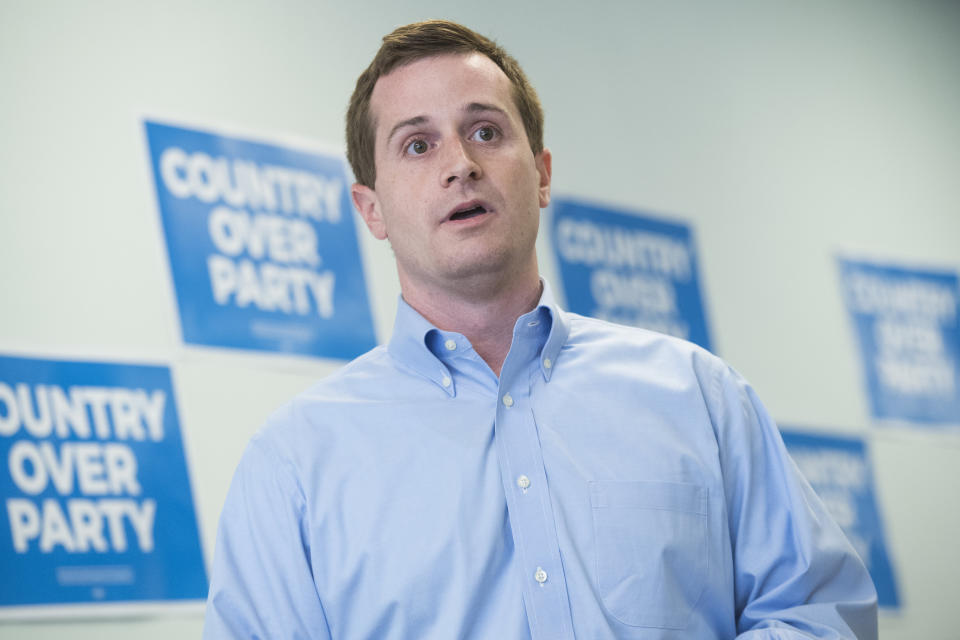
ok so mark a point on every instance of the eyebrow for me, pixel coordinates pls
(409, 122)
(480, 107)
(473, 107)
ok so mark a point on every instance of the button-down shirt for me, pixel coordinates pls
(611, 483)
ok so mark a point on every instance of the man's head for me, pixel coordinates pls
(422, 40)
(446, 168)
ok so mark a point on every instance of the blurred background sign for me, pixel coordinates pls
(840, 471)
(262, 244)
(630, 269)
(98, 506)
(906, 323)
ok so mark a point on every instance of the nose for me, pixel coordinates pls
(459, 164)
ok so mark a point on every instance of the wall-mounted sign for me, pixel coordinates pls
(97, 506)
(906, 324)
(839, 470)
(629, 268)
(262, 244)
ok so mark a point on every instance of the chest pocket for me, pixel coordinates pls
(651, 547)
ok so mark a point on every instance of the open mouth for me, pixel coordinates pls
(466, 214)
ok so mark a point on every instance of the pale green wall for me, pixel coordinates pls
(783, 132)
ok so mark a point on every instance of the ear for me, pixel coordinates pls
(368, 205)
(544, 168)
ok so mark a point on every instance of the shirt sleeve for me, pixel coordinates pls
(795, 574)
(261, 583)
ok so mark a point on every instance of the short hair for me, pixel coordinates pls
(413, 42)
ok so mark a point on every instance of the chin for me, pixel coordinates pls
(479, 264)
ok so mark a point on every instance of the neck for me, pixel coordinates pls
(483, 312)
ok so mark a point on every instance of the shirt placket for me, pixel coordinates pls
(528, 501)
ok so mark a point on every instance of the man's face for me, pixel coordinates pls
(458, 191)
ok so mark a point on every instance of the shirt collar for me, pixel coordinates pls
(416, 343)
(559, 331)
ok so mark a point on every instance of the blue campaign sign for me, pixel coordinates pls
(262, 244)
(906, 323)
(839, 470)
(97, 500)
(630, 269)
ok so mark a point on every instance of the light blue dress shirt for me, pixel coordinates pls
(612, 483)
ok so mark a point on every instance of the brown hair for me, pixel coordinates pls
(413, 42)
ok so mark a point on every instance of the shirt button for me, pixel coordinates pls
(451, 345)
(523, 482)
(446, 381)
(540, 576)
(507, 400)
(547, 363)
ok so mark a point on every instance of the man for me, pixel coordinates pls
(503, 469)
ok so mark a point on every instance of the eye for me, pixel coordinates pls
(417, 147)
(484, 134)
